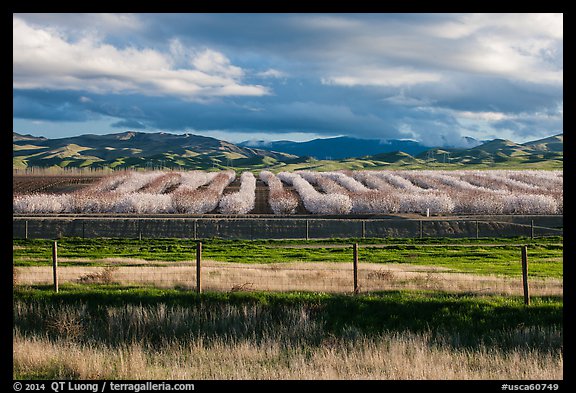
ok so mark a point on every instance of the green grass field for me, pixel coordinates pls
(496, 256)
(474, 317)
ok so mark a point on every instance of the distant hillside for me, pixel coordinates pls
(187, 151)
(498, 153)
(501, 151)
(553, 144)
(137, 149)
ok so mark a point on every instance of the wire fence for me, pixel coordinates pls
(42, 227)
(355, 274)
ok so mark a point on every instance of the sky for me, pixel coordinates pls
(433, 78)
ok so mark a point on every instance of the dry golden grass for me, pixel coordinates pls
(294, 276)
(389, 356)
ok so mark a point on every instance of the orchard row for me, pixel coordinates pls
(344, 192)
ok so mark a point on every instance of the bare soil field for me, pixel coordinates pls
(55, 184)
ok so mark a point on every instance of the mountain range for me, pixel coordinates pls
(347, 147)
(144, 150)
(339, 147)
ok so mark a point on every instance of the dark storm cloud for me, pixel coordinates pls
(51, 106)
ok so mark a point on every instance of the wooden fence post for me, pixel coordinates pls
(26, 229)
(525, 275)
(307, 231)
(55, 264)
(198, 267)
(355, 263)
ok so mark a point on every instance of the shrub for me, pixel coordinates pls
(105, 276)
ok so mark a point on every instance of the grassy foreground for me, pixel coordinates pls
(113, 332)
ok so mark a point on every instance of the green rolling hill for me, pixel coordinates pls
(187, 151)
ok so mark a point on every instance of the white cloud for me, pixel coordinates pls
(481, 115)
(45, 58)
(80, 24)
(116, 21)
(520, 24)
(272, 73)
(210, 61)
(524, 47)
(397, 52)
(373, 76)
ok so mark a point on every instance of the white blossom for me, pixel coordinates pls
(243, 201)
(280, 199)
